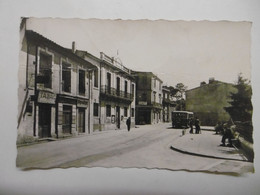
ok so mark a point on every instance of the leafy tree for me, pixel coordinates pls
(240, 108)
(181, 88)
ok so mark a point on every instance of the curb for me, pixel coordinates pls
(204, 155)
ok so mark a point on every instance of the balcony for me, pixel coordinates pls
(111, 93)
(157, 105)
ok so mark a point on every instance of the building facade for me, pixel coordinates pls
(55, 88)
(168, 104)
(117, 94)
(208, 101)
(148, 98)
(114, 93)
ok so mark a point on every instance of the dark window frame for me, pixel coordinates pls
(45, 69)
(108, 110)
(95, 109)
(66, 77)
(82, 83)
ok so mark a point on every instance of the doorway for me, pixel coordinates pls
(44, 120)
(81, 120)
(118, 116)
(67, 119)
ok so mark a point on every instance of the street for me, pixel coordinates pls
(147, 146)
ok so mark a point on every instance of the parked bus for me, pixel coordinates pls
(181, 118)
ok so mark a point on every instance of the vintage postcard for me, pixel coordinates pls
(160, 94)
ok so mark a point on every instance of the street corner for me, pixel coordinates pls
(206, 144)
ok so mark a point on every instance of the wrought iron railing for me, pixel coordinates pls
(110, 91)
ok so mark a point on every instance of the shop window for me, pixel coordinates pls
(125, 111)
(82, 82)
(95, 78)
(108, 110)
(132, 112)
(45, 69)
(95, 109)
(66, 77)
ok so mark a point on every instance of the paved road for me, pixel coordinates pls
(144, 147)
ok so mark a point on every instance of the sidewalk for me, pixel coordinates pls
(206, 144)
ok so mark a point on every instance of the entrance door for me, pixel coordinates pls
(118, 116)
(67, 119)
(81, 120)
(44, 120)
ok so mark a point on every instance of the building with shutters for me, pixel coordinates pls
(113, 92)
(148, 98)
(168, 104)
(55, 89)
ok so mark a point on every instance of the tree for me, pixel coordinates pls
(240, 108)
(181, 88)
(179, 95)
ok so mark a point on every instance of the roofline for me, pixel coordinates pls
(41, 40)
(218, 82)
(142, 72)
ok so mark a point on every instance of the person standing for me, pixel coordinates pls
(226, 135)
(197, 125)
(128, 123)
(191, 125)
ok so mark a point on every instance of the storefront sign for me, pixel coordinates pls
(143, 103)
(82, 103)
(46, 97)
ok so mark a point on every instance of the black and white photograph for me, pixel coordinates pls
(129, 97)
(172, 95)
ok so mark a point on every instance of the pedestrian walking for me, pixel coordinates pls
(197, 126)
(191, 125)
(128, 123)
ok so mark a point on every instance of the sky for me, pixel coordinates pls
(187, 52)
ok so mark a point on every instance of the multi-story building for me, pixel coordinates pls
(148, 98)
(168, 104)
(114, 92)
(117, 94)
(55, 88)
(208, 101)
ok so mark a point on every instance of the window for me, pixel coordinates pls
(160, 98)
(66, 77)
(132, 112)
(109, 83)
(133, 90)
(82, 82)
(45, 69)
(95, 78)
(154, 96)
(108, 110)
(154, 83)
(125, 111)
(125, 88)
(95, 109)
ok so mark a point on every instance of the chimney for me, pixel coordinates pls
(202, 83)
(73, 47)
(211, 80)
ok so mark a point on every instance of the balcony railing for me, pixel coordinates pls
(110, 91)
(158, 105)
(114, 62)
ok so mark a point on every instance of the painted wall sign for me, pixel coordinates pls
(46, 97)
(82, 103)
